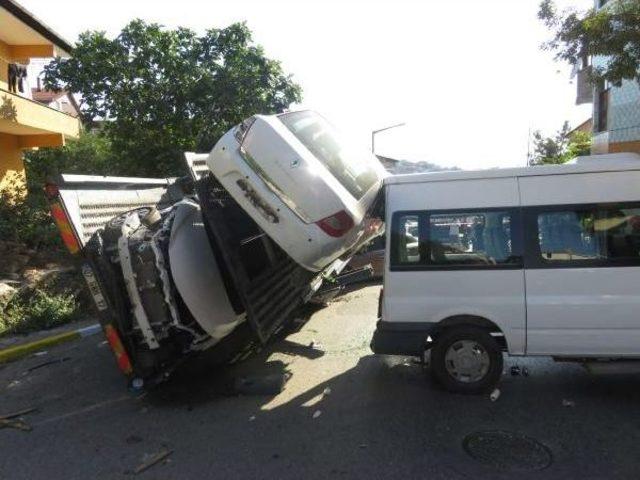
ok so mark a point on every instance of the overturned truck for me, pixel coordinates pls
(176, 266)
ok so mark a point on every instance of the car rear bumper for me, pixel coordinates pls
(406, 338)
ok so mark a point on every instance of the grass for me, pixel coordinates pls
(37, 309)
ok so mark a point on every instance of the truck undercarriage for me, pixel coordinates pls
(157, 298)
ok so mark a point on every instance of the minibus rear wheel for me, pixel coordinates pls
(466, 359)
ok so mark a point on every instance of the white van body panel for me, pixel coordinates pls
(566, 311)
(583, 311)
(429, 297)
(453, 194)
(582, 188)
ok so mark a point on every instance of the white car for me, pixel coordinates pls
(301, 182)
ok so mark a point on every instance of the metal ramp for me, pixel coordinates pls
(270, 296)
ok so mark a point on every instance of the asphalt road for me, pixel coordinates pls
(379, 417)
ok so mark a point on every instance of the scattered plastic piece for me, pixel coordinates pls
(327, 391)
(568, 403)
(252, 418)
(18, 413)
(317, 413)
(495, 395)
(39, 354)
(515, 371)
(153, 460)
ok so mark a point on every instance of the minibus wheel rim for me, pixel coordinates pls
(467, 361)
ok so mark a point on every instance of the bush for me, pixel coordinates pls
(37, 310)
(25, 217)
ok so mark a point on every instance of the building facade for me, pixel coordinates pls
(24, 122)
(616, 109)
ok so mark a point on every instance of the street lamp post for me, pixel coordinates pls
(373, 135)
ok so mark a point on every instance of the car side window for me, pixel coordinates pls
(604, 234)
(471, 238)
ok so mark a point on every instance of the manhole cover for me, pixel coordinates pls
(507, 451)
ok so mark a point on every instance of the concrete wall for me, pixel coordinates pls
(10, 159)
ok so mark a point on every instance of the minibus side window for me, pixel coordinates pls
(601, 235)
(473, 238)
(405, 240)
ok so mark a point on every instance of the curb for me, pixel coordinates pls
(13, 353)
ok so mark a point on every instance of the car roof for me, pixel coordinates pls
(612, 162)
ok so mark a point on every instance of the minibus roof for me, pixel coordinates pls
(611, 162)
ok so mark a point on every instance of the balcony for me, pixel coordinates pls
(35, 124)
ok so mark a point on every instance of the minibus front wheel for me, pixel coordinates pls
(466, 359)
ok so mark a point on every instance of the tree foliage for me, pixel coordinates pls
(560, 147)
(612, 32)
(160, 92)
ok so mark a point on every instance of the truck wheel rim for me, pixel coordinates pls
(467, 361)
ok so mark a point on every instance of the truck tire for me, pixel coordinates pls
(466, 359)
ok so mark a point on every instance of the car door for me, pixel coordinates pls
(582, 275)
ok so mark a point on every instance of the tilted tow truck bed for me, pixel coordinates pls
(261, 280)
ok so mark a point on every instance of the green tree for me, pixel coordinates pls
(612, 32)
(160, 92)
(559, 148)
(91, 154)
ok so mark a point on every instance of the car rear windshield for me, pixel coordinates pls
(354, 170)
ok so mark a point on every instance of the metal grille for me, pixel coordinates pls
(90, 203)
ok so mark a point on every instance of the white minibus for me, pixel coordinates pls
(530, 261)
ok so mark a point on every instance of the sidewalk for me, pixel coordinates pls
(16, 346)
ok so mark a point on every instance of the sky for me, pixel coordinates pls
(467, 77)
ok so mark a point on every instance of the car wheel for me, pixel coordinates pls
(466, 359)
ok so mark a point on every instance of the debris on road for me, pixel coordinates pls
(568, 403)
(495, 395)
(46, 364)
(252, 418)
(272, 384)
(525, 372)
(41, 353)
(18, 413)
(317, 413)
(152, 460)
(326, 391)
(17, 424)
(315, 345)
(10, 420)
(515, 371)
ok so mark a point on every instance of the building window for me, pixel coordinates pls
(600, 234)
(603, 110)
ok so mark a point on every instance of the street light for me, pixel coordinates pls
(373, 135)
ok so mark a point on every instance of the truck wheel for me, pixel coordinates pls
(466, 359)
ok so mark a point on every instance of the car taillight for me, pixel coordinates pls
(62, 220)
(337, 224)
